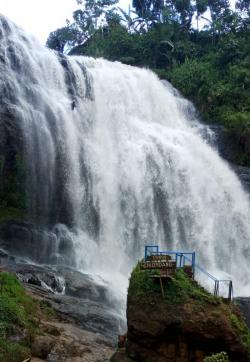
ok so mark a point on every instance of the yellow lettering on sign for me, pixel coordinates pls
(159, 257)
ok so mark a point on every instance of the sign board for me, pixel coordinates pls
(159, 258)
(158, 265)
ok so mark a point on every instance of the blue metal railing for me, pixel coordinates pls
(182, 258)
(218, 282)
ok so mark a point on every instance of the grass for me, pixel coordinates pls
(180, 289)
(13, 352)
(18, 319)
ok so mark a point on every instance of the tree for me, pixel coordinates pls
(200, 7)
(86, 23)
(93, 13)
(243, 7)
(220, 13)
(62, 38)
(150, 10)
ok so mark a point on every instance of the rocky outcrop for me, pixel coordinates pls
(186, 325)
(65, 337)
(78, 297)
(65, 342)
(33, 331)
(233, 145)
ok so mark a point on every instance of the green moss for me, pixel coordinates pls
(179, 289)
(241, 329)
(182, 288)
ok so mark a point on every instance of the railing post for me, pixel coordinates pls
(215, 288)
(193, 263)
(155, 247)
(181, 255)
(230, 290)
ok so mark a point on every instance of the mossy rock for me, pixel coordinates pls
(180, 289)
(187, 318)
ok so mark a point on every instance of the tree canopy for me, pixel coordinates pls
(201, 46)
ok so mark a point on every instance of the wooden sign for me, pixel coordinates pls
(159, 258)
(158, 265)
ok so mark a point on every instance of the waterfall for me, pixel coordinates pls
(126, 167)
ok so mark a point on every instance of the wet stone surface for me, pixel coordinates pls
(78, 297)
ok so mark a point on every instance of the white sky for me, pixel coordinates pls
(39, 17)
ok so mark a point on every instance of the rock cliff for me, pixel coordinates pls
(185, 325)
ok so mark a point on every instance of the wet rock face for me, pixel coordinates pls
(76, 296)
(40, 244)
(12, 178)
(233, 145)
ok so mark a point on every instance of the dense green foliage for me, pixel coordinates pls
(202, 47)
(218, 357)
(219, 81)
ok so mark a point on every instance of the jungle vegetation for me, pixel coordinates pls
(201, 46)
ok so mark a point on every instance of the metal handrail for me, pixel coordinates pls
(182, 257)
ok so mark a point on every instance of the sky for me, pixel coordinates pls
(38, 17)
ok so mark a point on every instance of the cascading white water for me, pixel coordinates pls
(127, 167)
